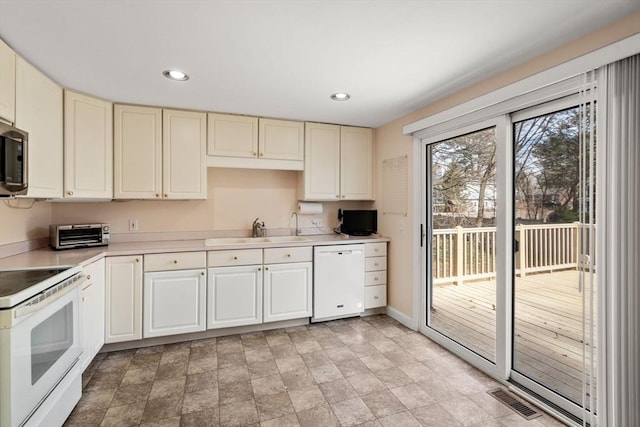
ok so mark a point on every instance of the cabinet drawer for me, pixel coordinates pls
(234, 257)
(375, 249)
(174, 261)
(375, 278)
(375, 296)
(282, 255)
(375, 263)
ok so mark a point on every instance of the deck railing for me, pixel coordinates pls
(463, 254)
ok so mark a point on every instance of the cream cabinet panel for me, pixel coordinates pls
(92, 311)
(184, 154)
(234, 257)
(175, 261)
(356, 163)
(174, 302)
(7, 82)
(234, 296)
(233, 136)
(287, 291)
(137, 152)
(281, 140)
(39, 112)
(88, 147)
(123, 317)
(321, 162)
(375, 296)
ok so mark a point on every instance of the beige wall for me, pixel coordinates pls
(390, 142)
(18, 225)
(235, 198)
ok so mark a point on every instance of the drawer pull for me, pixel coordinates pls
(157, 195)
(375, 249)
(88, 277)
(175, 261)
(375, 278)
(376, 264)
(235, 257)
(202, 273)
(375, 297)
(259, 269)
(137, 259)
(266, 268)
(70, 193)
(288, 255)
(166, 196)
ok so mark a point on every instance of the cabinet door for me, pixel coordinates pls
(356, 163)
(174, 302)
(39, 111)
(321, 162)
(88, 147)
(123, 295)
(7, 82)
(281, 140)
(93, 312)
(234, 296)
(137, 152)
(287, 291)
(232, 136)
(184, 159)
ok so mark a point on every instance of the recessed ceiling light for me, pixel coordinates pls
(340, 96)
(175, 75)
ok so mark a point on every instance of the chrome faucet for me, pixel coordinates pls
(298, 231)
(258, 228)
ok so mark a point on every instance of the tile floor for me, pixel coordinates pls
(368, 371)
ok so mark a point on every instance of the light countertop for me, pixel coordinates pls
(47, 257)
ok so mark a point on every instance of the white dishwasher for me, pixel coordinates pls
(338, 281)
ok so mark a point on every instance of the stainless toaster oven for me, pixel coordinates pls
(71, 236)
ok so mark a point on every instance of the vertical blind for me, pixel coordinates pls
(619, 237)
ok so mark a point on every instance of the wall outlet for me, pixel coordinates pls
(316, 222)
(133, 225)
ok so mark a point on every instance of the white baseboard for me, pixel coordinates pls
(402, 318)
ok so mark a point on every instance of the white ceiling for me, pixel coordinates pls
(280, 58)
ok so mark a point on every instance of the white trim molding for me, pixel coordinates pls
(402, 318)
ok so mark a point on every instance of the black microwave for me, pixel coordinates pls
(359, 222)
(13, 161)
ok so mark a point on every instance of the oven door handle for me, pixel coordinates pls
(30, 308)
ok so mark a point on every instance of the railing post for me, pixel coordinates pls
(459, 254)
(576, 244)
(523, 250)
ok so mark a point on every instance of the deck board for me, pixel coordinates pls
(548, 335)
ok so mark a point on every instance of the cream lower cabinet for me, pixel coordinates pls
(234, 296)
(375, 275)
(39, 112)
(338, 163)
(174, 302)
(7, 82)
(88, 147)
(288, 283)
(123, 294)
(175, 289)
(93, 305)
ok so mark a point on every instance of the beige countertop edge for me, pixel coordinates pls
(47, 257)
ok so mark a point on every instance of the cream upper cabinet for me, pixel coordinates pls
(39, 112)
(338, 163)
(281, 140)
(232, 136)
(356, 163)
(7, 82)
(88, 147)
(137, 152)
(321, 162)
(184, 154)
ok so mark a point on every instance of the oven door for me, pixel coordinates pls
(45, 344)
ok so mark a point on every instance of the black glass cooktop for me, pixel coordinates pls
(12, 282)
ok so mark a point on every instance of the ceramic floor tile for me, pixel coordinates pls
(235, 392)
(200, 400)
(292, 363)
(382, 403)
(263, 369)
(326, 373)
(227, 360)
(126, 415)
(284, 351)
(197, 366)
(290, 420)
(351, 367)
(162, 388)
(435, 415)
(338, 354)
(266, 386)
(128, 394)
(274, 406)
(258, 355)
(205, 418)
(338, 390)
(419, 372)
(412, 396)
(306, 398)
(393, 377)
(366, 383)
(297, 379)
(83, 419)
(277, 340)
(315, 358)
(95, 400)
(385, 345)
(229, 347)
(233, 374)
(172, 370)
(197, 382)
(164, 407)
(352, 412)
(322, 416)
(173, 356)
(377, 362)
(404, 419)
(465, 411)
(239, 413)
(490, 404)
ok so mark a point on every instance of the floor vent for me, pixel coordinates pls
(508, 399)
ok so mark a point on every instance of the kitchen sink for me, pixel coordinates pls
(254, 240)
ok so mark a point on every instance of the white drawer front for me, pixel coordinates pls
(234, 257)
(174, 261)
(283, 255)
(375, 263)
(372, 278)
(375, 249)
(375, 296)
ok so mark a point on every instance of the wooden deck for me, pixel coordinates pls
(547, 327)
